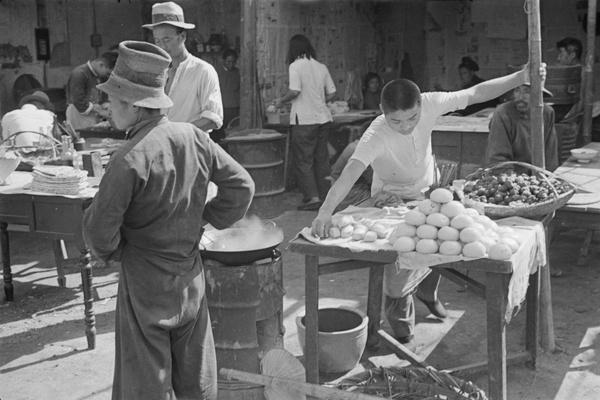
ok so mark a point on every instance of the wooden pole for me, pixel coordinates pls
(537, 149)
(536, 104)
(588, 74)
(249, 115)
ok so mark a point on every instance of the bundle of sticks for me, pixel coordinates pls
(446, 173)
(68, 129)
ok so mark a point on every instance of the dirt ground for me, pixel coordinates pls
(43, 349)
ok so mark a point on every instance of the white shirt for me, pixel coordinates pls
(313, 81)
(402, 164)
(28, 119)
(195, 93)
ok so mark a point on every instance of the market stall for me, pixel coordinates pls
(54, 217)
(507, 283)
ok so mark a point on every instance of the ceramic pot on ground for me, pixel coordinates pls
(342, 337)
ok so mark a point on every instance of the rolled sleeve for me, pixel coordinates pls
(209, 96)
(236, 189)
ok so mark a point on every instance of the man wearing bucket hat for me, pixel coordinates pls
(148, 215)
(193, 84)
(34, 116)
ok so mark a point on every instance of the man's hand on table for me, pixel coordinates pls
(321, 224)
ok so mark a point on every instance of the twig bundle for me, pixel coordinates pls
(410, 383)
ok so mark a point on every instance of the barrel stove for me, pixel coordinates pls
(246, 311)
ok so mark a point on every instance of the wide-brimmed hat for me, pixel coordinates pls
(139, 75)
(168, 13)
(38, 96)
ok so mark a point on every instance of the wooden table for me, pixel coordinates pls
(49, 217)
(582, 216)
(495, 292)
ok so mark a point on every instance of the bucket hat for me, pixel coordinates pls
(38, 96)
(139, 75)
(168, 13)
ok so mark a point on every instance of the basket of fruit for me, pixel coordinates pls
(514, 188)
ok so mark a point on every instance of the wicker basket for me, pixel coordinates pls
(45, 151)
(411, 383)
(542, 208)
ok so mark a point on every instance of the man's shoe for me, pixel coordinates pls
(435, 307)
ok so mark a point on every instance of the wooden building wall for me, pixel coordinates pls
(339, 31)
(419, 39)
(494, 34)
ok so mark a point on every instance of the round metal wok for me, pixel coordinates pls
(240, 246)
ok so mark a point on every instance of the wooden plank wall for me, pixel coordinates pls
(481, 29)
(339, 30)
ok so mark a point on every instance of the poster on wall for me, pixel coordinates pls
(505, 20)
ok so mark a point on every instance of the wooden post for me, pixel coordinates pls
(537, 145)
(250, 117)
(588, 74)
(536, 104)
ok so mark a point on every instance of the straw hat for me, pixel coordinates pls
(168, 13)
(546, 93)
(38, 96)
(139, 75)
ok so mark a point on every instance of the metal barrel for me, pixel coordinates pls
(246, 305)
(566, 133)
(564, 82)
(232, 296)
(262, 152)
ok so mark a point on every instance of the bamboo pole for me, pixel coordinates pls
(249, 115)
(588, 74)
(537, 149)
(536, 104)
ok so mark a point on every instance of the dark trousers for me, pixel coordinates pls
(311, 159)
(164, 346)
(400, 311)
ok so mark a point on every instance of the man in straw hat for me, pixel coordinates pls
(34, 116)
(148, 214)
(192, 84)
(510, 131)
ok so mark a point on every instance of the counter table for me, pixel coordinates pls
(494, 291)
